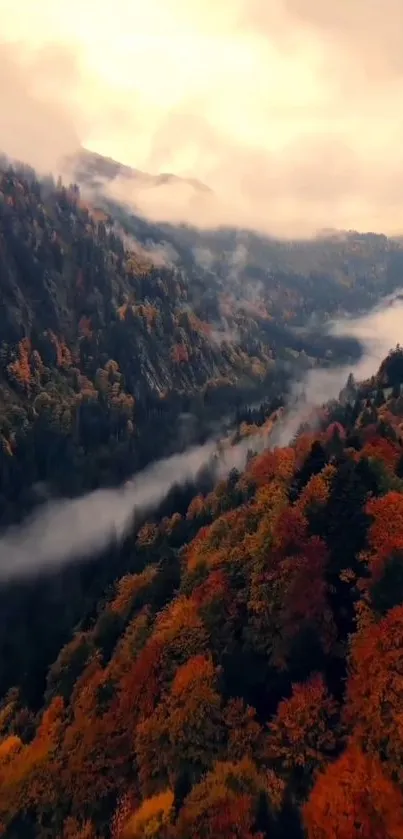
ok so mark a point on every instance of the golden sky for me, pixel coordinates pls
(289, 109)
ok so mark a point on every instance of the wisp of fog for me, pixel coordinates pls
(64, 531)
(378, 332)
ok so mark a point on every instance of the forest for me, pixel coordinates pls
(234, 667)
(244, 678)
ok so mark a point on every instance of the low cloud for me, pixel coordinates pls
(378, 332)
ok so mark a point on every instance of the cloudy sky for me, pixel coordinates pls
(291, 110)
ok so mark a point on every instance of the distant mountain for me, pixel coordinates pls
(95, 170)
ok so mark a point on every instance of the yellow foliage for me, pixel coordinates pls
(317, 489)
(128, 587)
(151, 816)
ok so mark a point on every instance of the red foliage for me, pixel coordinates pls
(140, 687)
(333, 428)
(290, 531)
(215, 587)
(306, 601)
(353, 799)
(383, 450)
(375, 689)
(304, 733)
(386, 531)
(272, 464)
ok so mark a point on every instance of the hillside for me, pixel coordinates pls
(292, 280)
(124, 341)
(118, 345)
(242, 678)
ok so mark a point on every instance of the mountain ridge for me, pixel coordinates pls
(92, 169)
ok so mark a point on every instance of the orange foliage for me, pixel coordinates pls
(221, 541)
(63, 354)
(386, 532)
(353, 799)
(129, 587)
(185, 729)
(316, 491)
(20, 369)
(375, 689)
(182, 633)
(9, 747)
(94, 758)
(225, 802)
(277, 464)
(29, 775)
(195, 508)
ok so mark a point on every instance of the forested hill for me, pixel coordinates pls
(122, 341)
(108, 342)
(244, 677)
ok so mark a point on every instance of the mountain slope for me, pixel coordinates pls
(229, 683)
(113, 333)
(121, 342)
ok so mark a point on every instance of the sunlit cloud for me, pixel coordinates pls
(289, 109)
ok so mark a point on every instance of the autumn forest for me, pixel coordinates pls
(234, 667)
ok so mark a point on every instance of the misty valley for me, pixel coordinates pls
(201, 513)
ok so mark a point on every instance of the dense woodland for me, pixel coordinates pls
(233, 668)
(245, 678)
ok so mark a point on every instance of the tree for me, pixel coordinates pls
(186, 731)
(304, 735)
(385, 534)
(375, 690)
(228, 803)
(353, 799)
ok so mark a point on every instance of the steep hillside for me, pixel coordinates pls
(110, 341)
(243, 677)
(237, 610)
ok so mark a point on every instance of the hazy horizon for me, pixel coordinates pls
(288, 110)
